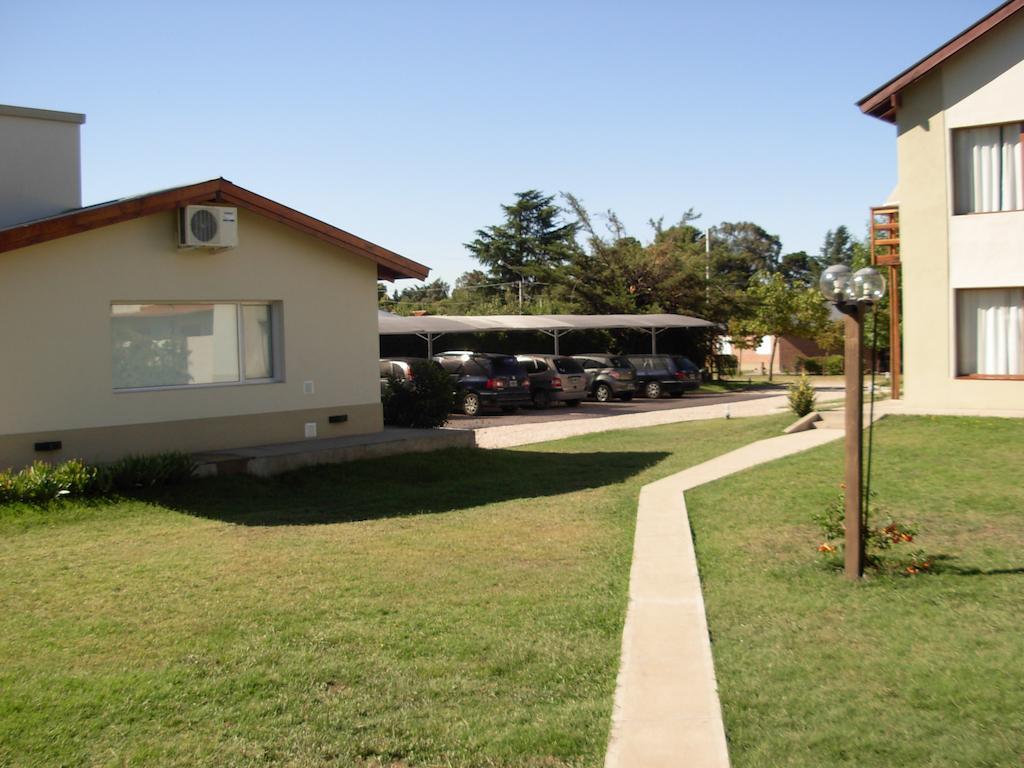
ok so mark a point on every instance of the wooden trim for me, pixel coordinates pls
(883, 102)
(988, 377)
(390, 265)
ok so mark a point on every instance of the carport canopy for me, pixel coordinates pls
(430, 327)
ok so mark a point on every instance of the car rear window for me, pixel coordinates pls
(507, 366)
(567, 365)
(685, 364)
(620, 362)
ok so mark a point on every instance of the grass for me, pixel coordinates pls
(920, 671)
(454, 609)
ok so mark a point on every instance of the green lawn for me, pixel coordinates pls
(897, 671)
(454, 609)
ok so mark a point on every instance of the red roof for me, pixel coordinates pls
(390, 265)
(883, 102)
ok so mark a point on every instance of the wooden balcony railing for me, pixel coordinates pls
(885, 236)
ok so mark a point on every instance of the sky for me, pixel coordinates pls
(410, 123)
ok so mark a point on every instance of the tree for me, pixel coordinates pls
(778, 309)
(530, 246)
(838, 248)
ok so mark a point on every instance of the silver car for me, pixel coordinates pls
(553, 377)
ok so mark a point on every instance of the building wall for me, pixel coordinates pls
(55, 331)
(40, 163)
(940, 252)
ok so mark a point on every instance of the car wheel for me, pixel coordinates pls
(602, 393)
(626, 397)
(541, 399)
(652, 389)
(573, 403)
(470, 404)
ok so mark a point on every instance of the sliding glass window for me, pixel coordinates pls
(192, 344)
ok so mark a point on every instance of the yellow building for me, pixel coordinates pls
(197, 318)
(959, 115)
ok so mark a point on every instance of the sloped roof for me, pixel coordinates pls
(390, 265)
(884, 101)
(396, 325)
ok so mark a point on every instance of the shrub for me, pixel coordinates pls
(42, 482)
(802, 397)
(132, 472)
(726, 365)
(832, 365)
(426, 404)
(810, 365)
(878, 539)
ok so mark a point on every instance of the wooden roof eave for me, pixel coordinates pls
(879, 103)
(390, 265)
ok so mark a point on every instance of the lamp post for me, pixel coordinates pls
(852, 294)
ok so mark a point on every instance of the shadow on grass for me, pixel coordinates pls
(411, 484)
(947, 564)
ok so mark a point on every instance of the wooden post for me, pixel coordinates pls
(895, 343)
(854, 542)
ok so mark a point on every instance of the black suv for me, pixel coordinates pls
(484, 379)
(658, 374)
(608, 376)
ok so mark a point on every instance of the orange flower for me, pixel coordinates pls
(826, 548)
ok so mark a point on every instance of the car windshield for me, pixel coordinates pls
(567, 365)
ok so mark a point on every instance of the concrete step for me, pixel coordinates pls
(831, 420)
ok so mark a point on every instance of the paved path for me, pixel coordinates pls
(667, 713)
(524, 434)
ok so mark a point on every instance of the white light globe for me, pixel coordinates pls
(835, 282)
(867, 286)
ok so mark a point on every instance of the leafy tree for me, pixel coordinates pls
(778, 309)
(530, 246)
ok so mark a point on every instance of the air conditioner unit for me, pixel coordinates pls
(207, 226)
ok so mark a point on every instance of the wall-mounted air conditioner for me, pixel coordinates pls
(207, 226)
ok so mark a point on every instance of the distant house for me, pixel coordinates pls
(959, 114)
(195, 318)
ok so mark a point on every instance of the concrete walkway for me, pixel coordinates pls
(667, 713)
(525, 434)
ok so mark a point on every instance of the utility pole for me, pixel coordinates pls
(707, 269)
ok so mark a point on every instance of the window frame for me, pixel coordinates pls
(276, 343)
(956, 338)
(954, 187)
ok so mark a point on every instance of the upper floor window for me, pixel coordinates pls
(988, 173)
(174, 345)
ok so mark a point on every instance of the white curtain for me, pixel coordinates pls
(988, 169)
(990, 332)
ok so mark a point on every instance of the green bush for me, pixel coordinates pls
(802, 397)
(426, 404)
(811, 365)
(42, 482)
(726, 365)
(832, 365)
(133, 472)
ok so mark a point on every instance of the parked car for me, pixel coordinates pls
(608, 376)
(660, 374)
(482, 379)
(400, 368)
(554, 378)
(691, 374)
